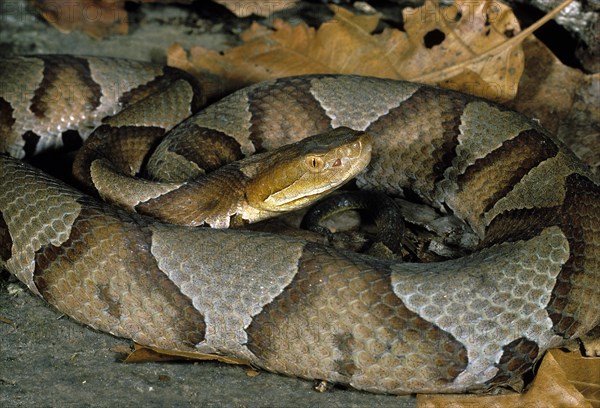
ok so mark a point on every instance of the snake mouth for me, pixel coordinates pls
(347, 161)
(329, 161)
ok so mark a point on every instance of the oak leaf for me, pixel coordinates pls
(455, 46)
(97, 18)
(582, 372)
(143, 354)
(565, 100)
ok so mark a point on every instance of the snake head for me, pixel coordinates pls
(297, 175)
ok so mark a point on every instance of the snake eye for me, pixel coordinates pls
(315, 163)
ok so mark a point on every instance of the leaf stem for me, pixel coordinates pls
(516, 40)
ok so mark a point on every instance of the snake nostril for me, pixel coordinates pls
(337, 163)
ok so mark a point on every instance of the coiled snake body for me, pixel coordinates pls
(300, 308)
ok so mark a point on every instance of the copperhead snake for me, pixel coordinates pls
(300, 308)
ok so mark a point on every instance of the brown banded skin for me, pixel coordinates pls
(43, 97)
(256, 188)
(300, 309)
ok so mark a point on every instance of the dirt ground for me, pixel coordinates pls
(48, 360)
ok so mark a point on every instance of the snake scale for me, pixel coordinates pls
(295, 307)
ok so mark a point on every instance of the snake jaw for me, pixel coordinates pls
(315, 167)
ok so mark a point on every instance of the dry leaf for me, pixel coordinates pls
(346, 44)
(547, 89)
(97, 18)
(564, 100)
(122, 349)
(550, 388)
(582, 372)
(252, 373)
(245, 8)
(142, 354)
(591, 342)
(6, 320)
(470, 30)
